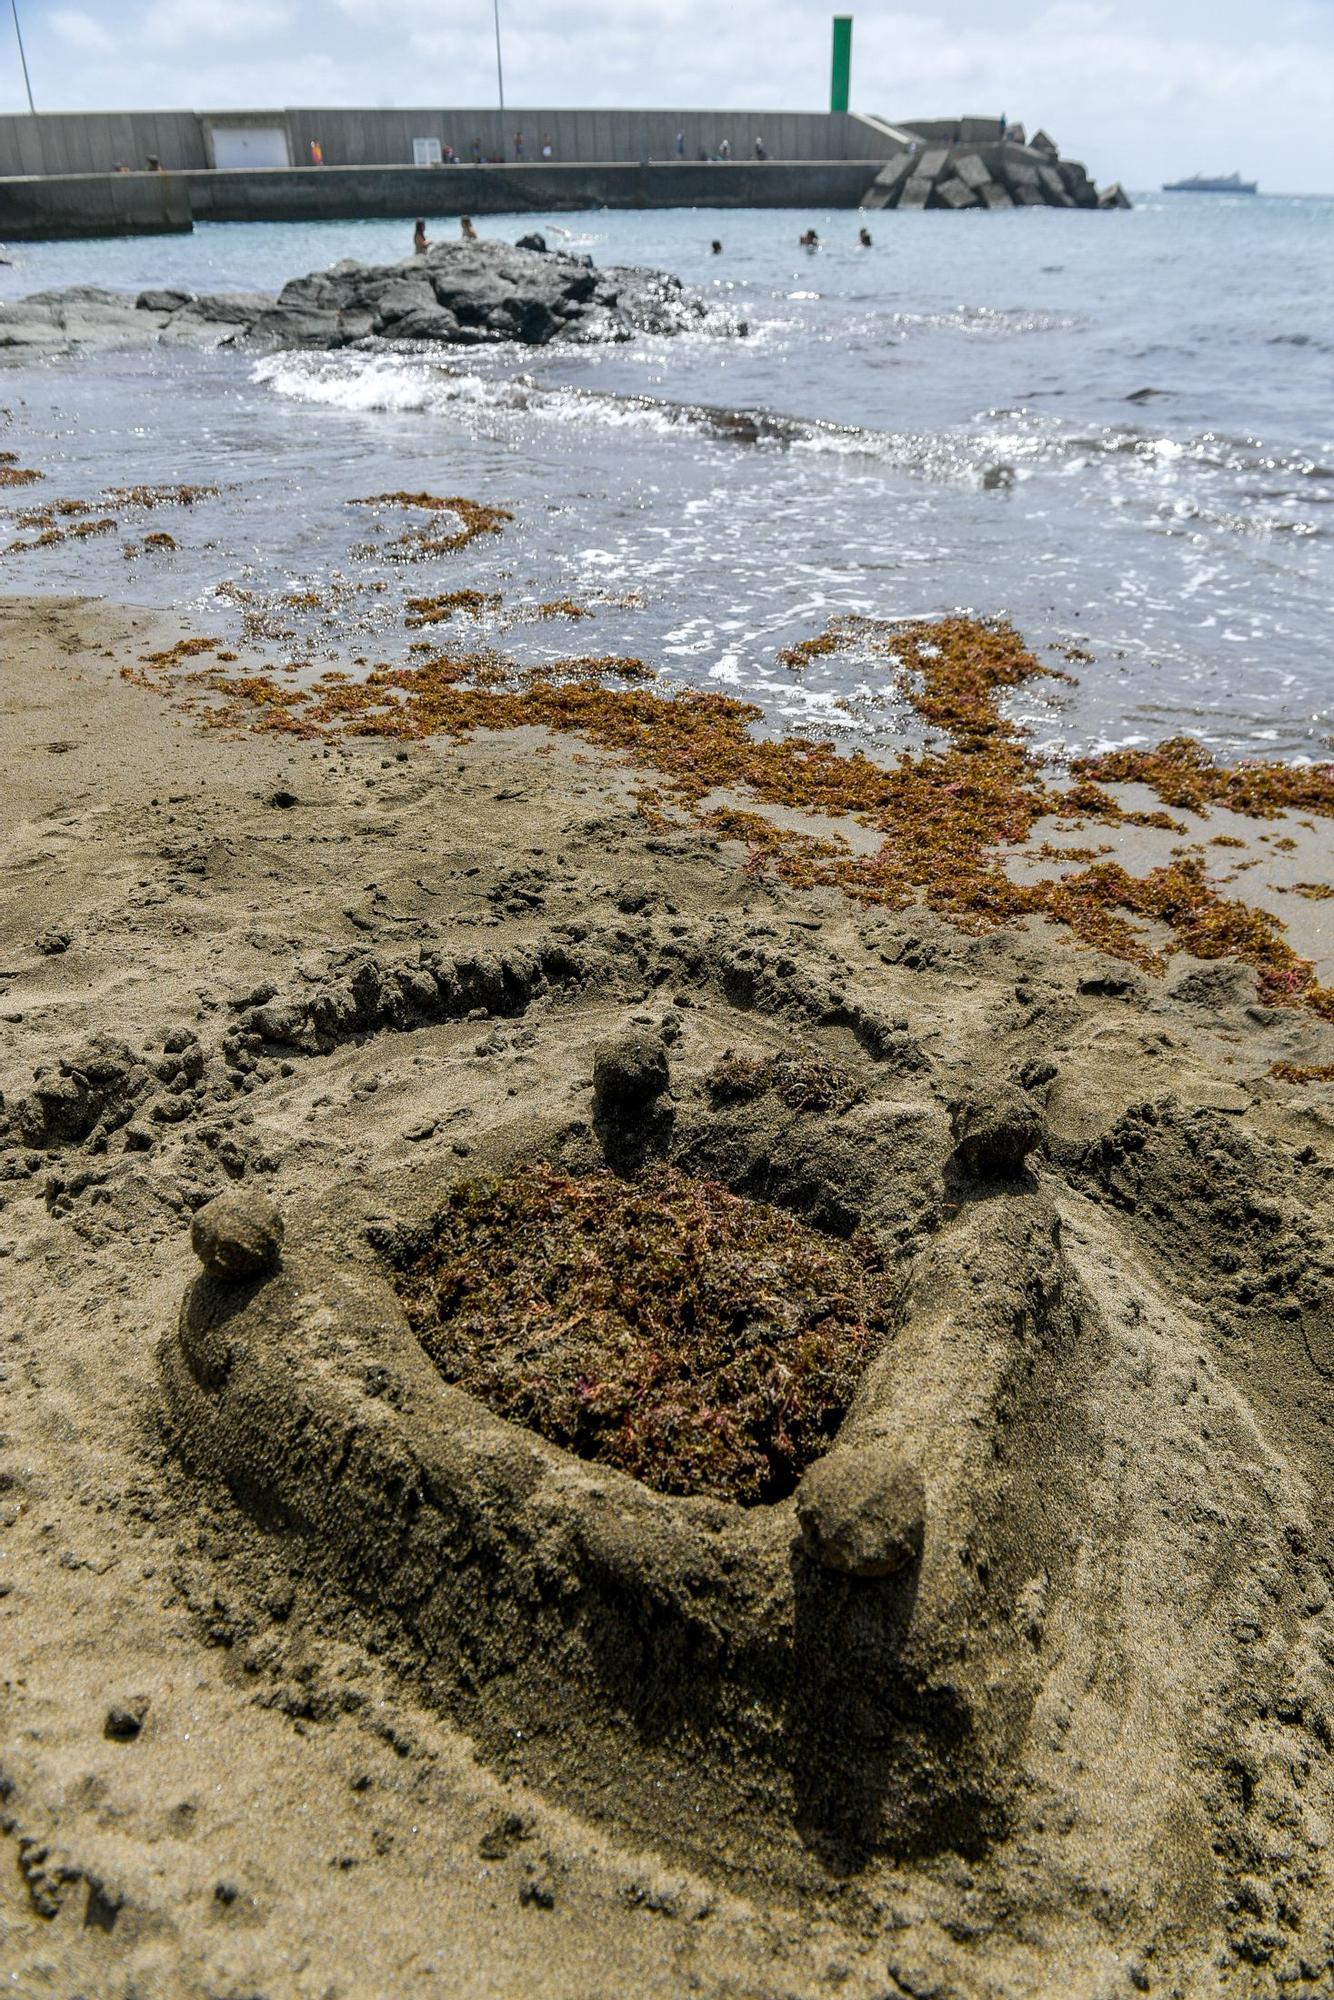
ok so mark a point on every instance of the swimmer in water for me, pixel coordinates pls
(717, 247)
(420, 244)
(864, 238)
(810, 241)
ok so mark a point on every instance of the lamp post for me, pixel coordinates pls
(500, 74)
(18, 36)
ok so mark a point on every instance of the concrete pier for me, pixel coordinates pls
(37, 209)
(342, 193)
(101, 141)
(68, 174)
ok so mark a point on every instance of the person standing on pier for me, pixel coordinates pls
(518, 145)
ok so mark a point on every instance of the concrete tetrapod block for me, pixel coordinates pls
(917, 193)
(895, 172)
(1053, 187)
(1114, 196)
(955, 194)
(972, 170)
(995, 196)
(931, 161)
(1042, 142)
(1018, 172)
(1075, 177)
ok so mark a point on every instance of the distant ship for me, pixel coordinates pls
(1211, 184)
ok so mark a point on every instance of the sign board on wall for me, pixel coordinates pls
(249, 146)
(426, 152)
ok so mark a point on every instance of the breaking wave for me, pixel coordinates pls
(1001, 449)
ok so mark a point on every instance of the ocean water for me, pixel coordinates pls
(1117, 430)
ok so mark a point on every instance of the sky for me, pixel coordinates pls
(1140, 91)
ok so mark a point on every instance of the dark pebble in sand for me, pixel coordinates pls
(503, 1836)
(538, 1891)
(1112, 986)
(124, 1721)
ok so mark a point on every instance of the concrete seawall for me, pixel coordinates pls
(101, 141)
(77, 205)
(341, 193)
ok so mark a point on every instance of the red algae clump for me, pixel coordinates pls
(435, 610)
(703, 1343)
(79, 531)
(418, 543)
(804, 1080)
(1183, 773)
(159, 496)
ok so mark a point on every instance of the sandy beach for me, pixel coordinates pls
(235, 1760)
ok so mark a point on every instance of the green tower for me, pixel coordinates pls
(842, 70)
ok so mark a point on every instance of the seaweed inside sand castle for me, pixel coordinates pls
(703, 1343)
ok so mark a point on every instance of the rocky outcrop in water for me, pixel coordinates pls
(457, 294)
(1015, 172)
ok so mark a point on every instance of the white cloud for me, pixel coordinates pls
(80, 32)
(183, 24)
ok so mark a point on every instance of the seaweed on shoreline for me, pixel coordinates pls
(77, 531)
(1289, 1072)
(158, 496)
(435, 610)
(423, 540)
(14, 474)
(948, 818)
(1183, 773)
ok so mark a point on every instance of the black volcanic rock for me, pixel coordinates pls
(464, 294)
(457, 294)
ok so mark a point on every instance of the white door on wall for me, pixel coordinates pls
(250, 146)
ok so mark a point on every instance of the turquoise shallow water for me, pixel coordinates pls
(977, 434)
